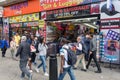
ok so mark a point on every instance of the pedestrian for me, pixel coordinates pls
(24, 52)
(12, 47)
(65, 68)
(33, 56)
(93, 49)
(4, 47)
(42, 48)
(17, 39)
(80, 54)
(87, 43)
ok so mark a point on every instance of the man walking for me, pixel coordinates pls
(81, 55)
(65, 67)
(93, 49)
(24, 52)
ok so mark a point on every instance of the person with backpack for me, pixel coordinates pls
(67, 61)
(80, 54)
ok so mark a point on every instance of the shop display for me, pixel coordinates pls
(16, 25)
(66, 30)
(28, 24)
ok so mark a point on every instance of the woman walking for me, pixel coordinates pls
(42, 48)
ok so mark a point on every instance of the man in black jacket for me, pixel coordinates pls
(93, 49)
(24, 52)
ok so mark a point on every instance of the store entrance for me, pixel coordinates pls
(71, 28)
(22, 30)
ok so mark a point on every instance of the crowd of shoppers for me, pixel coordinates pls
(31, 48)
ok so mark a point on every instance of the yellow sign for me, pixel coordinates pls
(41, 23)
(24, 18)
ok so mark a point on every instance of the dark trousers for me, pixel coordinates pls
(87, 56)
(93, 56)
(24, 69)
(3, 52)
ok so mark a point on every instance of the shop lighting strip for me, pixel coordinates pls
(2, 0)
(90, 25)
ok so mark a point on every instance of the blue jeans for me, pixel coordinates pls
(43, 63)
(70, 72)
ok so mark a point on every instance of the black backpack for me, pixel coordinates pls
(72, 58)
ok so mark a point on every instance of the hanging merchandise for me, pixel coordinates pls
(37, 33)
(60, 27)
(71, 27)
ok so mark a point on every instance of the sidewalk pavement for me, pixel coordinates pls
(9, 70)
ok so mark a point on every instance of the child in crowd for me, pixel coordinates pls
(12, 47)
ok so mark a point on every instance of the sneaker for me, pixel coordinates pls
(37, 70)
(83, 70)
(87, 66)
(98, 71)
(30, 71)
(46, 74)
(74, 67)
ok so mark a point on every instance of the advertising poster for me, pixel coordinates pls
(110, 9)
(110, 31)
(111, 45)
(95, 8)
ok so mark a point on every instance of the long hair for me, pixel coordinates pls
(40, 39)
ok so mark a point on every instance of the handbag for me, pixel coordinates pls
(33, 49)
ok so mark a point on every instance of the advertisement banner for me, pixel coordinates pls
(55, 4)
(24, 18)
(27, 7)
(69, 12)
(110, 9)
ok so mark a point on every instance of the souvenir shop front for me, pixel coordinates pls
(72, 21)
(25, 23)
(22, 17)
(93, 18)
